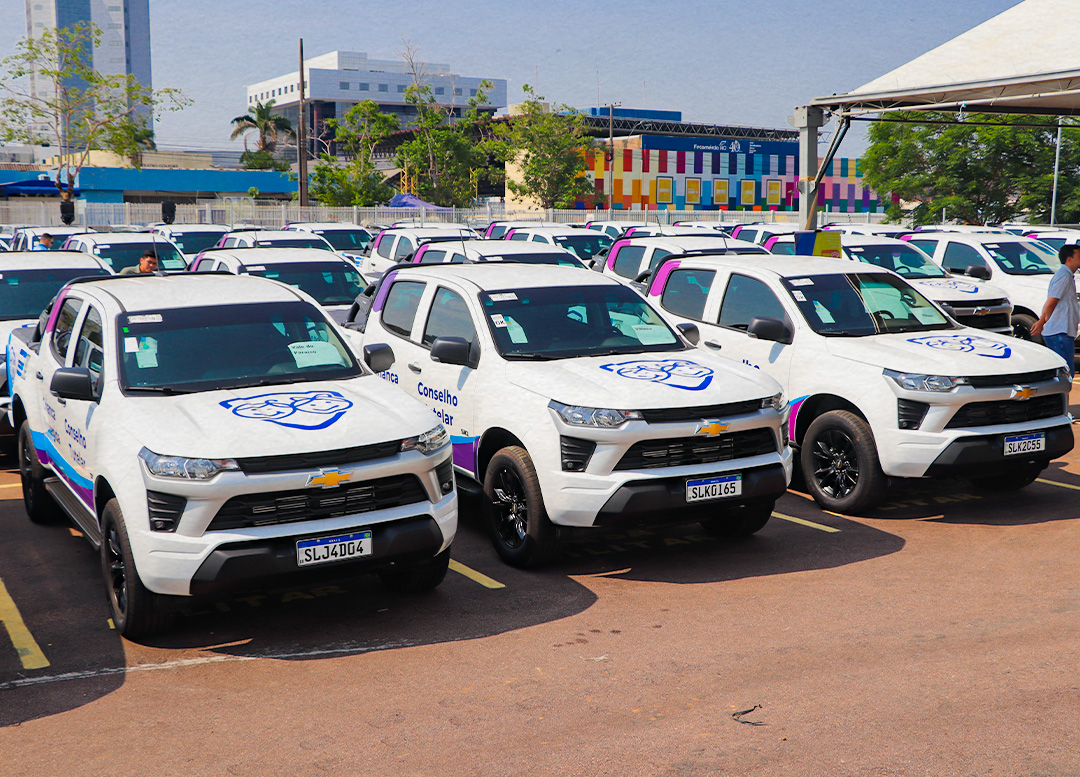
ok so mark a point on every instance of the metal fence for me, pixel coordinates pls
(274, 215)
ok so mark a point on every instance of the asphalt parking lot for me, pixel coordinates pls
(939, 634)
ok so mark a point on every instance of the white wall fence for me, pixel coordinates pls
(276, 215)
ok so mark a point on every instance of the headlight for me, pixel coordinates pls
(1063, 374)
(776, 402)
(912, 382)
(593, 416)
(182, 467)
(428, 442)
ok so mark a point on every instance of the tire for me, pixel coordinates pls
(40, 506)
(1021, 325)
(520, 530)
(419, 578)
(137, 612)
(740, 521)
(840, 463)
(1010, 481)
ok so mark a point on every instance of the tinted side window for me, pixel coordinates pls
(519, 236)
(449, 317)
(539, 239)
(404, 248)
(385, 243)
(433, 257)
(787, 248)
(747, 298)
(65, 321)
(399, 310)
(686, 291)
(89, 350)
(929, 246)
(658, 256)
(628, 261)
(959, 257)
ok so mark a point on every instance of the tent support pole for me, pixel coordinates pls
(810, 221)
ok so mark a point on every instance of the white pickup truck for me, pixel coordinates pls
(574, 405)
(211, 431)
(881, 382)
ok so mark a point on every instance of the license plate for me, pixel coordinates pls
(327, 549)
(713, 488)
(1025, 443)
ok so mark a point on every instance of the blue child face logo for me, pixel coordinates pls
(953, 285)
(677, 373)
(307, 410)
(980, 346)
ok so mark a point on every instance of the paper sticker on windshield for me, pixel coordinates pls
(651, 334)
(498, 321)
(152, 318)
(258, 267)
(307, 410)
(801, 282)
(799, 296)
(823, 313)
(927, 315)
(980, 346)
(131, 345)
(146, 354)
(508, 297)
(315, 353)
(677, 373)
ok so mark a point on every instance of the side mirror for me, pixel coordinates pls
(690, 332)
(772, 329)
(73, 383)
(379, 357)
(642, 276)
(451, 350)
(978, 271)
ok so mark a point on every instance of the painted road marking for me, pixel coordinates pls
(1056, 483)
(29, 652)
(476, 577)
(804, 522)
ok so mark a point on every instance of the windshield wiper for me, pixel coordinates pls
(166, 390)
(538, 357)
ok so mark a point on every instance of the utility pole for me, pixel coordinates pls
(611, 155)
(301, 136)
(1057, 167)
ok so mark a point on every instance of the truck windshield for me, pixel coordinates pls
(347, 239)
(586, 245)
(1023, 258)
(568, 321)
(904, 260)
(195, 241)
(120, 256)
(330, 283)
(183, 350)
(25, 293)
(293, 242)
(860, 304)
(540, 257)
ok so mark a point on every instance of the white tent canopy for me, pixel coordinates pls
(1024, 60)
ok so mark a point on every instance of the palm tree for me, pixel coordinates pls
(261, 118)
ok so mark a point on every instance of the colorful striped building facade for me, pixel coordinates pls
(695, 174)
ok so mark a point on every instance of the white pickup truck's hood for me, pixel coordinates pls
(956, 352)
(955, 291)
(642, 381)
(275, 420)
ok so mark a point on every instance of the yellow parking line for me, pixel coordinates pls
(29, 652)
(804, 522)
(1056, 483)
(476, 577)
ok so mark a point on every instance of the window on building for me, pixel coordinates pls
(440, 90)
(472, 93)
(457, 92)
(384, 87)
(363, 87)
(401, 88)
(343, 84)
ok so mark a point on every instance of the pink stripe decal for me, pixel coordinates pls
(656, 288)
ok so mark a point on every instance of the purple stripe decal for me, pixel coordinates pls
(384, 289)
(656, 288)
(465, 454)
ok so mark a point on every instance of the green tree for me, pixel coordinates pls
(549, 146)
(267, 125)
(445, 163)
(74, 108)
(356, 180)
(262, 160)
(130, 138)
(972, 171)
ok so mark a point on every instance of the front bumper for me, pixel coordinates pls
(983, 455)
(397, 544)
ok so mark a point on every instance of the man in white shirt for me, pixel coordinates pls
(1060, 317)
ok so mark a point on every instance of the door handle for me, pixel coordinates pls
(713, 344)
(60, 400)
(39, 376)
(415, 367)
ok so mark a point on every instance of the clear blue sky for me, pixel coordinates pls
(743, 62)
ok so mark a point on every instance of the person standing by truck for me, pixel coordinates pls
(1060, 319)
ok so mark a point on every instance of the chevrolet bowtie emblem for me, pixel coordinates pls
(1024, 392)
(981, 311)
(329, 478)
(710, 428)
